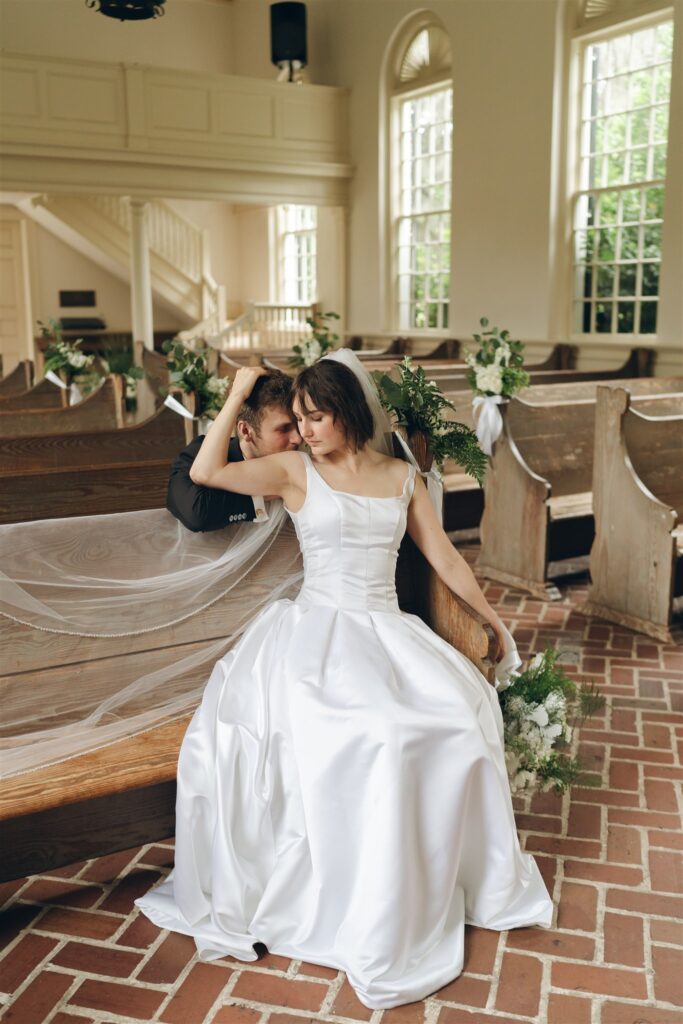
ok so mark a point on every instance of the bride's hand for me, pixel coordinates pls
(505, 639)
(245, 379)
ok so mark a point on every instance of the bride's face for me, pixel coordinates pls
(317, 428)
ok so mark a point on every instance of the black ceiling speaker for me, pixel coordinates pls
(288, 36)
(128, 10)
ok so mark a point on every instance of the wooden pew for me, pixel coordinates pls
(102, 410)
(58, 475)
(537, 492)
(124, 794)
(19, 380)
(44, 395)
(636, 561)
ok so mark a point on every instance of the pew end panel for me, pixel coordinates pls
(514, 523)
(18, 380)
(636, 561)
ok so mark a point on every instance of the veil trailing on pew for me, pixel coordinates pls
(163, 603)
(139, 586)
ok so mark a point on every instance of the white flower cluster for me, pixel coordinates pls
(489, 376)
(489, 379)
(218, 385)
(531, 731)
(311, 351)
(72, 356)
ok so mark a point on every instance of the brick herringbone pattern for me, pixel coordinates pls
(77, 952)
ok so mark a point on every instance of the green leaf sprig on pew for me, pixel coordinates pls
(121, 362)
(540, 709)
(418, 405)
(189, 371)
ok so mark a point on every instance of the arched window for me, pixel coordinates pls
(420, 154)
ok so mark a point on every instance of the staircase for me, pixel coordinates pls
(99, 228)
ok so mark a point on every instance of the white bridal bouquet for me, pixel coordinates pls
(496, 372)
(539, 710)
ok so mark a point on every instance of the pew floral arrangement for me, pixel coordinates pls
(65, 364)
(322, 341)
(120, 361)
(496, 372)
(538, 711)
(189, 371)
(418, 405)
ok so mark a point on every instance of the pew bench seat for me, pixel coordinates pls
(118, 796)
(570, 506)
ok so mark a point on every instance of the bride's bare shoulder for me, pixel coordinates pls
(292, 464)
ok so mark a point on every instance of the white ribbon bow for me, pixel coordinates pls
(488, 421)
(204, 421)
(432, 478)
(75, 395)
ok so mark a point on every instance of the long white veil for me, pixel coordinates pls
(139, 588)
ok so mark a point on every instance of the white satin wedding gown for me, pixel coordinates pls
(342, 794)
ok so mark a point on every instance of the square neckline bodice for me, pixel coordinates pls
(310, 468)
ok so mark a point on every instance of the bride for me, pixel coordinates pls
(342, 793)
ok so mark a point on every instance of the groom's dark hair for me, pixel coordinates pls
(272, 389)
(332, 387)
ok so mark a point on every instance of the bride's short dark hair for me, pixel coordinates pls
(332, 387)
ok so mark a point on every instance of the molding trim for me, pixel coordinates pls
(119, 128)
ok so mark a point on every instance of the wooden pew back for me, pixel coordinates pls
(653, 433)
(554, 427)
(103, 410)
(18, 380)
(44, 395)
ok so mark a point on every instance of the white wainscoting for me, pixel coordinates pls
(250, 137)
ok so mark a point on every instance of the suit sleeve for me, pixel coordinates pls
(198, 508)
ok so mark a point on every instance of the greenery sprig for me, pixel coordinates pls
(322, 340)
(540, 710)
(418, 405)
(497, 368)
(121, 361)
(189, 371)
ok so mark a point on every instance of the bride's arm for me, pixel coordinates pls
(267, 475)
(430, 537)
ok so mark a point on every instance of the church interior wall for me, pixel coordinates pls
(57, 266)
(504, 75)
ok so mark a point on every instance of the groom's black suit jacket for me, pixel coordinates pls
(205, 508)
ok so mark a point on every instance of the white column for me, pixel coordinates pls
(140, 277)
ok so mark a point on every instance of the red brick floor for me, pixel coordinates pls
(77, 952)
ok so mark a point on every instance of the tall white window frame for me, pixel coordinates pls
(420, 175)
(620, 126)
(296, 254)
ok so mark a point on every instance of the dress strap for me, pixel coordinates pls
(409, 485)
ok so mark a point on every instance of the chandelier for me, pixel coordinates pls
(128, 10)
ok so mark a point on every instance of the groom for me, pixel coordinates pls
(265, 426)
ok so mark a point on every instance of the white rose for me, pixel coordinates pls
(217, 385)
(502, 354)
(540, 716)
(536, 661)
(78, 360)
(555, 702)
(312, 352)
(489, 378)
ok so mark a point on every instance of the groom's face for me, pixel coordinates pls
(278, 432)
